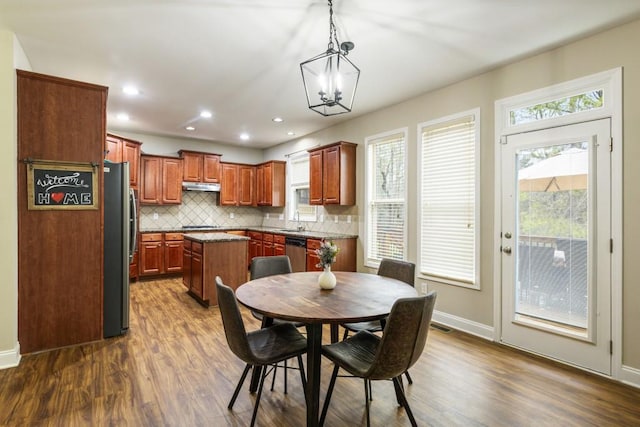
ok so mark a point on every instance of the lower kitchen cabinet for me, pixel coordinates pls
(278, 244)
(345, 260)
(160, 253)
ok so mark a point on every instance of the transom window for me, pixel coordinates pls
(558, 107)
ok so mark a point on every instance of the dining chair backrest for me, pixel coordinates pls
(401, 270)
(232, 321)
(263, 266)
(404, 337)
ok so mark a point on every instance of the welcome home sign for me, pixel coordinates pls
(61, 185)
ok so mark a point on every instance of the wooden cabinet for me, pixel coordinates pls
(119, 149)
(278, 244)
(267, 244)
(270, 184)
(161, 180)
(332, 174)
(237, 186)
(173, 246)
(160, 253)
(151, 254)
(186, 263)
(255, 244)
(200, 167)
(133, 266)
(345, 260)
(195, 285)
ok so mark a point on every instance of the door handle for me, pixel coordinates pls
(507, 250)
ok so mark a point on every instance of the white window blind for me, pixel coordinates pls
(386, 194)
(448, 200)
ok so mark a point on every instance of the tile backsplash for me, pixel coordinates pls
(201, 208)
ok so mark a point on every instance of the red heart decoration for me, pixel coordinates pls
(57, 197)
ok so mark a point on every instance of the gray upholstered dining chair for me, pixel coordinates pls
(261, 348)
(263, 266)
(401, 270)
(370, 357)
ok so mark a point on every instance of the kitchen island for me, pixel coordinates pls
(207, 255)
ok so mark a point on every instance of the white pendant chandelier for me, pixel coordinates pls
(330, 79)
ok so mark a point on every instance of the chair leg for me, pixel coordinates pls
(346, 334)
(285, 376)
(367, 384)
(399, 388)
(409, 379)
(327, 398)
(405, 403)
(370, 391)
(239, 386)
(302, 377)
(273, 379)
(255, 408)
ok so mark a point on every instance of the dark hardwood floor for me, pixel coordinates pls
(174, 368)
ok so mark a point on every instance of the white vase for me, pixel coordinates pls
(326, 279)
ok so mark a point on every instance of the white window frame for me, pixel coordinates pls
(295, 185)
(475, 284)
(369, 260)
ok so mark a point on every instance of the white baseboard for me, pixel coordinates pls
(630, 376)
(10, 358)
(464, 325)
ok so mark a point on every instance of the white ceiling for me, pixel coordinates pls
(240, 58)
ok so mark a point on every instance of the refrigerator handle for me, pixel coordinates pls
(133, 223)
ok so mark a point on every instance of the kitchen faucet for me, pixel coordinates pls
(297, 217)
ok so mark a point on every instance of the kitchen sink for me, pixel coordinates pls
(290, 230)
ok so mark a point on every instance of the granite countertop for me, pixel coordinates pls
(309, 234)
(214, 237)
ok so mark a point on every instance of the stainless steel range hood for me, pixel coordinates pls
(199, 186)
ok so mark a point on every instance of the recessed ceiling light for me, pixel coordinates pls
(190, 128)
(123, 116)
(131, 90)
(278, 119)
(244, 136)
(205, 114)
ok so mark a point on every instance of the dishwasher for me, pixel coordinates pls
(296, 250)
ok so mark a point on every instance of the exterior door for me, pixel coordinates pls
(555, 242)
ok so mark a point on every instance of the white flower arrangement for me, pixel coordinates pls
(327, 253)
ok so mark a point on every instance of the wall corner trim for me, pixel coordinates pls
(10, 358)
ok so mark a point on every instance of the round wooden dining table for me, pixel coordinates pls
(297, 297)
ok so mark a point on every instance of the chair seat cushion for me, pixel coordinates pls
(371, 326)
(276, 343)
(355, 354)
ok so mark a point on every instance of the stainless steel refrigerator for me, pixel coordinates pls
(120, 225)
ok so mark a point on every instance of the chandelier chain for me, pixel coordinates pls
(333, 35)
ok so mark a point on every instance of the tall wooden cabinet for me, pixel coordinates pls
(161, 180)
(60, 271)
(332, 174)
(119, 149)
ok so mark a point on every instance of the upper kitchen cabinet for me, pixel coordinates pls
(119, 149)
(332, 174)
(237, 185)
(270, 184)
(161, 180)
(200, 167)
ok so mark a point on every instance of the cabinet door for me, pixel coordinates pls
(131, 154)
(186, 266)
(278, 249)
(192, 167)
(173, 254)
(211, 168)
(260, 186)
(151, 257)
(151, 180)
(315, 177)
(229, 185)
(113, 149)
(246, 193)
(331, 176)
(196, 274)
(171, 181)
(133, 267)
